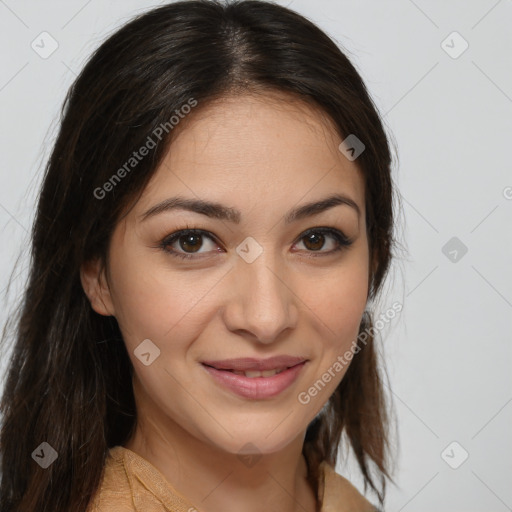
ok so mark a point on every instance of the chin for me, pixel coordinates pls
(256, 441)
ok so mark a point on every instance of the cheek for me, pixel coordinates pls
(337, 306)
(153, 302)
(338, 299)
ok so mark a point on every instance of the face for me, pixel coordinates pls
(252, 274)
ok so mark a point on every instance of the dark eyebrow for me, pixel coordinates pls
(218, 211)
(320, 206)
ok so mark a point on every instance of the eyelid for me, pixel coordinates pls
(334, 232)
(338, 235)
(343, 241)
(176, 235)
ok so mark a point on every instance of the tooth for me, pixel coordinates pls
(255, 373)
(266, 373)
(252, 374)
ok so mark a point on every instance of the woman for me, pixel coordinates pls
(214, 224)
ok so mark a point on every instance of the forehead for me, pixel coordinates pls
(254, 149)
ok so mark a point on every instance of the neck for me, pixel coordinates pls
(215, 480)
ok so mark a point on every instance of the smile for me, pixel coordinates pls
(256, 384)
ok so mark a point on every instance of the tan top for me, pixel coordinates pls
(131, 484)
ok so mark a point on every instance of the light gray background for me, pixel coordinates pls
(448, 353)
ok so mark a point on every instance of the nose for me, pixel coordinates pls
(263, 304)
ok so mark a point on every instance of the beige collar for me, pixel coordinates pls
(128, 472)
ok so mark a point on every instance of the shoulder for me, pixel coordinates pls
(339, 495)
(131, 484)
(114, 492)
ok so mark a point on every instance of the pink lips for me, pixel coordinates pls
(256, 388)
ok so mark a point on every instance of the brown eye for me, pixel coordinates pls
(324, 241)
(190, 242)
(314, 241)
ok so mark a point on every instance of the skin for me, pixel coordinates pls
(263, 156)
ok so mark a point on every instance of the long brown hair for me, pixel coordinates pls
(62, 386)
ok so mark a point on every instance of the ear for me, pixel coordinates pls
(95, 285)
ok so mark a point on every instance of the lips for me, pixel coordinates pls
(250, 384)
(248, 364)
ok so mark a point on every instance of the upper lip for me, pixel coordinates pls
(250, 363)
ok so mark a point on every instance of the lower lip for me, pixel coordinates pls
(258, 387)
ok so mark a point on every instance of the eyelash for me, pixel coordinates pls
(339, 237)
